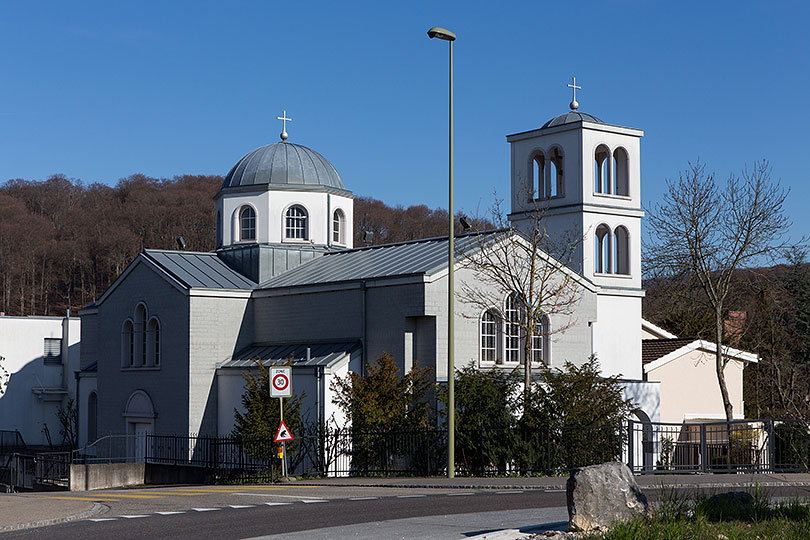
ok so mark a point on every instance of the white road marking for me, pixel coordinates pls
(134, 516)
(103, 519)
(315, 501)
(276, 504)
(237, 506)
(204, 509)
(169, 513)
(273, 495)
(409, 496)
(509, 492)
(363, 498)
(459, 494)
(555, 491)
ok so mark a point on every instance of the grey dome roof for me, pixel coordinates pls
(283, 164)
(569, 117)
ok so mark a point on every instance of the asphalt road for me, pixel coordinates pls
(311, 512)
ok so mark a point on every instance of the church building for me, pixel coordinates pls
(164, 349)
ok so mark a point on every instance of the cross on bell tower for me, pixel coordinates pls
(284, 121)
(573, 86)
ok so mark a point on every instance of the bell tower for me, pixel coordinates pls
(584, 176)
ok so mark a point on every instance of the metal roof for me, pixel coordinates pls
(321, 354)
(199, 270)
(570, 117)
(283, 164)
(390, 260)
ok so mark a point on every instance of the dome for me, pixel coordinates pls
(283, 164)
(570, 117)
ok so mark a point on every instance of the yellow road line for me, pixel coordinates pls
(133, 496)
(82, 498)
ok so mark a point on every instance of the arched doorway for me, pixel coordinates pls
(139, 416)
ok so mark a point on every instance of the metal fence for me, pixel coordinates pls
(647, 448)
(740, 446)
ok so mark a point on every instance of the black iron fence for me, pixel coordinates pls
(765, 445)
(740, 446)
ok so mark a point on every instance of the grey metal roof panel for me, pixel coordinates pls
(569, 117)
(402, 259)
(199, 270)
(284, 164)
(321, 354)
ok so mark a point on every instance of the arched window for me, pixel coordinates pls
(295, 226)
(622, 250)
(511, 332)
(538, 175)
(127, 344)
(540, 341)
(489, 336)
(556, 181)
(247, 224)
(338, 227)
(219, 229)
(92, 417)
(602, 250)
(620, 172)
(153, 342)
(601, 170)
(140, 336)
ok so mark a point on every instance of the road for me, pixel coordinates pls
(309, 512)
(238, 512)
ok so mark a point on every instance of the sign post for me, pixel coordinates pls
(281, 387)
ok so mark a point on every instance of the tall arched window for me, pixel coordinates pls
(538, 175)
(153, 342)
(602, 250)
(540, 349)
(247, 224)
(601, 170)
(338, 227)
(295, 223)
(511, 332)
(556, 179)
(140, 336)
(622, 251)
(219, 229)
(620, 172)
(127, 344)
(489, 336)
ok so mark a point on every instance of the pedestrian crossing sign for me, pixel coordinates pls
(283, 434)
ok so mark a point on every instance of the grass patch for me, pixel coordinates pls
(726, 516)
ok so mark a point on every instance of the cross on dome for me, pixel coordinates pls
(284, 121)
(574, 105)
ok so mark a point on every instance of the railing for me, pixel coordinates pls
(647, 448)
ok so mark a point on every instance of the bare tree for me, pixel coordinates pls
(532, 268)
(704, 232)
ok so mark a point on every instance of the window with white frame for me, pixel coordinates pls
(247, 224)
(295, 226)
(502, 339)
(338, 227)
(53, 351)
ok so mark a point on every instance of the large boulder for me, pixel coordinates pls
(601, 495)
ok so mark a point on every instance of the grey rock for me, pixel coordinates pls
(601, 495)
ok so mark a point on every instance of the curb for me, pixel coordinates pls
(97, 509)
(555, 487)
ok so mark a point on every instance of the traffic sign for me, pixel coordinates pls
(283, 434)
(280, 381)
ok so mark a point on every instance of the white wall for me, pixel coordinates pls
(22, 342)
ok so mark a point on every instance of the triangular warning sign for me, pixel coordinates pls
(283, 433)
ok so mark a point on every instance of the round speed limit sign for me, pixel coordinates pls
(280, 382)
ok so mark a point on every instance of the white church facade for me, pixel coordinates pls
(164, 348)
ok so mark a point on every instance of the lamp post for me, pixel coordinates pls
(450, 37)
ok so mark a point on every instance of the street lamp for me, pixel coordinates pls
(450, 37)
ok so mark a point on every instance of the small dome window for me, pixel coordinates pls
(247, 224)
(296, 223)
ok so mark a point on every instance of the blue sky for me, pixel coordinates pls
(102, 90)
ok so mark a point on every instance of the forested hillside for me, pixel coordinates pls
(63, 242)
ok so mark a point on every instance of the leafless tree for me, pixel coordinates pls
(533, 268)
(703, 232)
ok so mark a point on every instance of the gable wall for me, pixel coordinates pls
(167, 386)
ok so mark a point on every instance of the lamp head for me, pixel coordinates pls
(441, 33)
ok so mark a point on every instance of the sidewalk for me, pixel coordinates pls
(22, 511)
